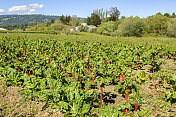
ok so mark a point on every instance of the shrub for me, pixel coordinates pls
(93, 30)
(58, 26)
(83, 28)
(172, 28)
(37, 27)
(135, 29)
(157, 25)
(123, 24)
(106, 28)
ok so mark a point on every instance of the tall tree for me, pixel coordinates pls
(102, 13)
(114, 14)
(62, 19)
(67, 19)
(95, 19)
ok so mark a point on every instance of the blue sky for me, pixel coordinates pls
(84, 8)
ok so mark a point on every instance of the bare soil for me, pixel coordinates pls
(170, 64)
(12, 104)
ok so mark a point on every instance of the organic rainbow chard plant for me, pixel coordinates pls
(72, 75)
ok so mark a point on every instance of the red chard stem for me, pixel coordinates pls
(101, 88)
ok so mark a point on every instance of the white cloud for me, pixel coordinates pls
(36, 6)
(18, 8)
(25, 8)
(2, 10)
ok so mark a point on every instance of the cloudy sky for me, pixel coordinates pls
(84, 8)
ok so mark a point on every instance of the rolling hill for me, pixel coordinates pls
(9, 20)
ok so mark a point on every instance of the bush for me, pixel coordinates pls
(157, 25)
(83, 28)
(172, 28)
(106, 28)
(135, 29)
(123, 24)
(93, 30)
(58, 26)
(37, 27)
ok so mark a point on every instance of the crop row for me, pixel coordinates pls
(67, 74)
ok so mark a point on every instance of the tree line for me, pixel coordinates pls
(109, 22)
(98, 17)
(111, 25)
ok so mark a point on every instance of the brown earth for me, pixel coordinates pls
(12, 105)
(170, 64)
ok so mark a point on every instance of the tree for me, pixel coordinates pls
(81, 21)
(114, 14)
(62, 19)
(95, 19)
(22, 27)
(102, 13)
(124, 22)
(134, 29)
(37, 27)
(67, 19)
(52, 21)
(172, 28)
(123, 17)
(74, 21)
(173, 15)
(106, 28)
(159, 13)
(167, 14)
(157, 25)
(88, 21)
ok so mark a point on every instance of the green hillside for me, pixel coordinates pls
(8, 20)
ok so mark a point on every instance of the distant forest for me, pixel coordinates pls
(18, 21)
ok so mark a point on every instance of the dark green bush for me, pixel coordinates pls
(135, 29)
(172, 28)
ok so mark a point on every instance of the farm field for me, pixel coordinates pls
(83, 74)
